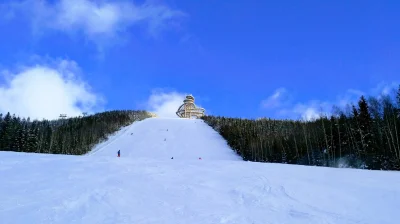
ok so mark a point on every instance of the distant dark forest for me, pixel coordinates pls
(363, 136)
(73, 136)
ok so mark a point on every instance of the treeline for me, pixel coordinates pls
(73, 136)
(363, 136)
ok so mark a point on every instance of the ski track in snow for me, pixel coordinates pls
(146, 186)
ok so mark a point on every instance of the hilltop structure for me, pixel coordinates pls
(189, 109)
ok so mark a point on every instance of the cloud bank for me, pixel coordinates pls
(46, 91)
(98, 21)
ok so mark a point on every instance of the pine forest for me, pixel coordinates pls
(364, 136)
(72, 136)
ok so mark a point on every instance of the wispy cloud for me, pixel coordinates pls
(349, 97)
(193, 42)
(385, 88)
(47, 90)
(312, 110)
(315, 108)
(304, 111)
(99, 21)
(279, 98)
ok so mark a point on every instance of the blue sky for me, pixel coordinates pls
(280, 59)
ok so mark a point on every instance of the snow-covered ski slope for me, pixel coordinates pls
(163, 138)
(145, 186)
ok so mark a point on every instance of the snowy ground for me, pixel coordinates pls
(163, 138)
(146, 187)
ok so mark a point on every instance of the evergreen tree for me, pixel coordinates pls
(355, 132)
(365, 121)
(344, 134)
(7, 132)
(398, 103)
(32, 138)
(365, 116)
(17, 128)
(1, 130)
(398, 97)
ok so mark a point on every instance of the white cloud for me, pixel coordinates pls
(385, 88)
(277, 99)
(304, 111)
(312, 110)
(99, 21)
(309, 113)
(315, 108)
(165, 104)
(349, 97)
(46, 91)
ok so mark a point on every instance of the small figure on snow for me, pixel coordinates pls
(119, 153)
(199, 158)
(172, 157)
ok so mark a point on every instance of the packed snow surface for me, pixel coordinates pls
(145, 185)
(163, 138)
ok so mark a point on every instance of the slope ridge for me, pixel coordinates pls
(164, 138)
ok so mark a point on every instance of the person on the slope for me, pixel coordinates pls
(119, 153)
